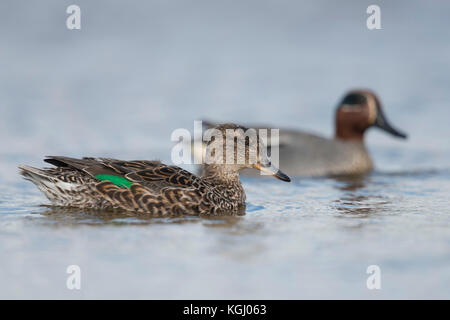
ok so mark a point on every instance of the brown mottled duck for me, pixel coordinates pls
(152, 187)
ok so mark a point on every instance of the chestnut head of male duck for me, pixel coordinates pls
(358, 111)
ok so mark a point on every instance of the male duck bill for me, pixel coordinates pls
(147, 186)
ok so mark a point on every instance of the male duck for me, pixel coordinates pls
(305, 154)
(148, 186)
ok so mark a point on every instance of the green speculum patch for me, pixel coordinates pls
(118, 181)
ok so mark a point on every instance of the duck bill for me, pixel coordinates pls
(382, 123)
(274, 171)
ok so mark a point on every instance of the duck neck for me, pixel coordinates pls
(349, 134)
(225, 179)
(220, 174)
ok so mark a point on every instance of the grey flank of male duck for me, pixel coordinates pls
(305, 154)
(151, 187)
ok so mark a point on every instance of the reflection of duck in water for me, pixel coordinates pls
(83, 216)
(354, 199)
(305, 154)
(148, 186)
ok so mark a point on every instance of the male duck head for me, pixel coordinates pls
(231, 148)
(358, 111)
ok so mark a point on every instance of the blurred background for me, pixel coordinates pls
(137, 70)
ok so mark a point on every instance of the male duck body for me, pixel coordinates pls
(306, 154)
(143, 186)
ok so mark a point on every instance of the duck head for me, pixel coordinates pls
(231, 148)
(358, 111)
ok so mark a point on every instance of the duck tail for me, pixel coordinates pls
(47, 183)
(34, 175)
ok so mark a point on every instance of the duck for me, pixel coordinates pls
(149, 186)
(310, 155)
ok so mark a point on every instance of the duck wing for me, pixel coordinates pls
(140, 185)
(95, 166)
(166, 176)
(152, 174)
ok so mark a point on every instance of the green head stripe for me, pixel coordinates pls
(118, 181)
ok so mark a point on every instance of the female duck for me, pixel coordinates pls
(148, 186)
